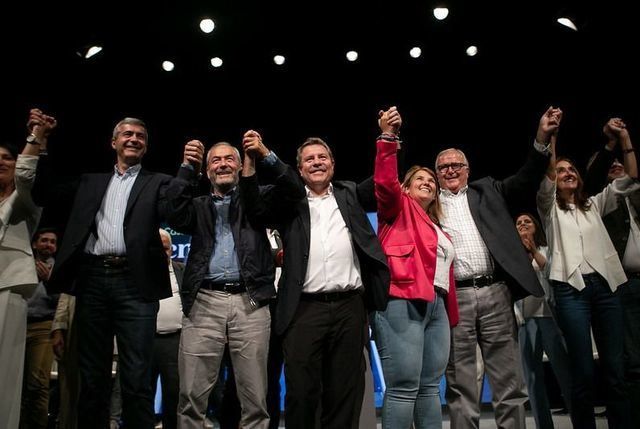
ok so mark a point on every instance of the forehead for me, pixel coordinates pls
(5, 153)
(564, 164)
(138, 129)
(423, 174)
(523, 218)
(313, 150)
(450, 157)
(222, 151)
(47, 236)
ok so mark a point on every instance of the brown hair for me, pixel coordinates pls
(435, 209)
(579, 195)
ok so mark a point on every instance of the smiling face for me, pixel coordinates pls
(453, 171)
(422, 187)
(567, 177)
(525, 225)
(130, 144)
(45, 245)
(316, 167)
(223, 168)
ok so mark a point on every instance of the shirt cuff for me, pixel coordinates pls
(187, 165)
(270, 160)
(542, 148)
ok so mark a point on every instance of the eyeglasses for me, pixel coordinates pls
(455, 166)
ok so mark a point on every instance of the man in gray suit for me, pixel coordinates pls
(491, 270)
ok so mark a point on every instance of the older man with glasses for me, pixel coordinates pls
(491, 269)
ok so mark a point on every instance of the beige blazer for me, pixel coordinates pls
(19, 217)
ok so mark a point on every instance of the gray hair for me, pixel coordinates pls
(165, 233)
(311, 141)
(452, 149)
(129, 121)
(235, 150)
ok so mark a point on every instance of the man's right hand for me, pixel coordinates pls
(193, 154)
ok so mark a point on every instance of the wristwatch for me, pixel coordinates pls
(32, 139)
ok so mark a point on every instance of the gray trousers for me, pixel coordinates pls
(487, 320)
(13, 337)
(215, 319)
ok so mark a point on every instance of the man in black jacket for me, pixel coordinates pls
(111, 258)
(227, 283)
(334, 271)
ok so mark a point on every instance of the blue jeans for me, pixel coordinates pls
(597, 308)
(413, 342)
(108, 304)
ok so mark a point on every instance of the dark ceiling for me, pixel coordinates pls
(489, 104)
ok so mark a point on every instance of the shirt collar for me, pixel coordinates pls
(225, 198)
(131, 171)
(448, 193)
(311, 194)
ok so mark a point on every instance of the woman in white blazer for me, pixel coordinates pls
(585, 272)
(19, 217)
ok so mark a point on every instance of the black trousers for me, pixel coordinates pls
(324, 370)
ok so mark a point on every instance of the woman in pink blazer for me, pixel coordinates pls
(412, 334)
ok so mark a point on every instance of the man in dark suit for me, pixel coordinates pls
(491, 270)
(111, 258)
(334, 270)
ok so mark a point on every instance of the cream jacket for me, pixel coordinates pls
(19, 217)
(575, 236)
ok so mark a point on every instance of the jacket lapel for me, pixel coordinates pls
(141, 181)
(341, 198)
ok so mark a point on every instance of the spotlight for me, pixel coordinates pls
(352, 56)
(216, 62)
(207, 25)
(168, 66)
(415, 52)
(472, 51)
(440, 13)
(279, 60)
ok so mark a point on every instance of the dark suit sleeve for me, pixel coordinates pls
(269, 205)
(596, 176)
(178, 200)
(527, 180)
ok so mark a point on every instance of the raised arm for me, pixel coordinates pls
(526, 180)
(387, 187)
(181, 191)
(270, 204)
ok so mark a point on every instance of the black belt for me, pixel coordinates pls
(479, 281)
(330, 296)
(110, 261)
(229, 287)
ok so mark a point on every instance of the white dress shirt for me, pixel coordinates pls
(472, 256)
(333, 265)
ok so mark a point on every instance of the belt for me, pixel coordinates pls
(479, 281)
(229, 287)
(110, 261)
(330, 296)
